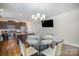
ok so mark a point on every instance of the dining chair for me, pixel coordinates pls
(30, 51)
(56, 51)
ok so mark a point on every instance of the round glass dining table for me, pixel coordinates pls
(40, 44)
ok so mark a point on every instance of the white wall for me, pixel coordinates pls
(36, 27)
(66, 26)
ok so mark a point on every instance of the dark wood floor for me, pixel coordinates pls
(67, 50)
(9, 48)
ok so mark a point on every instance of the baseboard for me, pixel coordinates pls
(72, 44)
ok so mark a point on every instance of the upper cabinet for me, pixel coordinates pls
(8, 24)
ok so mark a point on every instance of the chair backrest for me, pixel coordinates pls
(49, 36)
(54, 51)
(58, 49)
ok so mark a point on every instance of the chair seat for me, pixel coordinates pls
(53, 52)
(48, 52)
(30, 51)
(31, 41)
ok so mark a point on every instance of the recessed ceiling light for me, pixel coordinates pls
(1, 10)
(20, 14)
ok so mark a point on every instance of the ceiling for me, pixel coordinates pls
(12, 10)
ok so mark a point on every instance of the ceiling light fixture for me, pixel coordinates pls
(38, 16)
